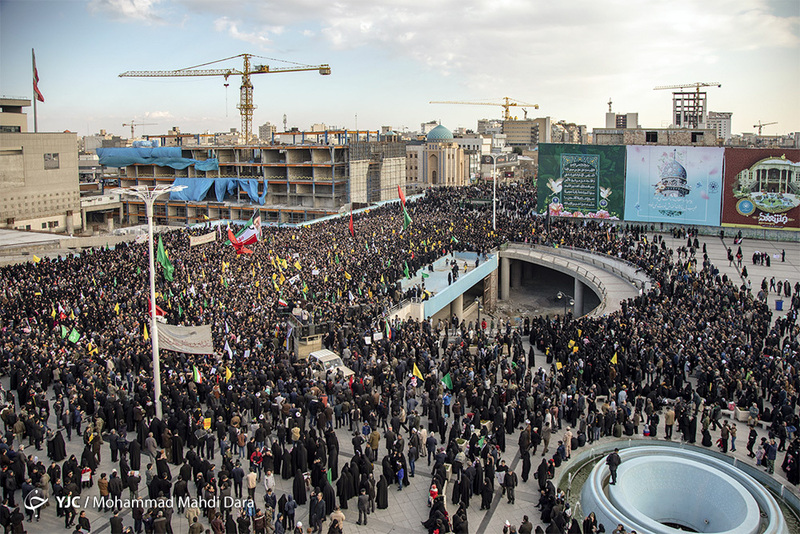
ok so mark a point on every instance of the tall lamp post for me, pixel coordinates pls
(149, 196)
(566, 298)
(480, 307)
(494, 191)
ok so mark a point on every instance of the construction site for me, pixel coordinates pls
(296, 177)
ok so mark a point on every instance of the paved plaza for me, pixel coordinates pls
(408, 508)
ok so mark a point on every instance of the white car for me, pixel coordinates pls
(323, 361)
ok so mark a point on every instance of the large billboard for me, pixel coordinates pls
(762, 188)
(674, 184)
(581, 180)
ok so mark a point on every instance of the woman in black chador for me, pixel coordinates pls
(299, 488)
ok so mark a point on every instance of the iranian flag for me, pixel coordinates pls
(251, 233)
(36, 91)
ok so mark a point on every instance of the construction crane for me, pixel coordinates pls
(761, 125)
(246, 105)
(506, 104)
(134, 124)
(696, 85)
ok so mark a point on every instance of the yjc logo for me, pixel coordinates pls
(34, 500)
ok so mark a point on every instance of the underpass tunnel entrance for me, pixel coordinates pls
(533, 290)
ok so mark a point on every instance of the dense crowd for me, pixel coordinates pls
(77, 355)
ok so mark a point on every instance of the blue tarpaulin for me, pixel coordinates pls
(197, 188)
(162, 157)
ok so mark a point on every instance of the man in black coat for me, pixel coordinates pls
(116, 523)
(510, 482)
(613, 460)
(363, 506)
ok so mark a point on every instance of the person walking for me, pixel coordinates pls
(770, 453)
(612, 461)
(363, 502)
(510, 482)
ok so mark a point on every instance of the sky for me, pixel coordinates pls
(389, 59)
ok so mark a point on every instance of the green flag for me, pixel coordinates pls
(406, 219)
(425, 275)
(180, 311)
(406, 271)
(74, 336)
(453, 239)
(447, 381)
(138, 270)
(64, 331)
(162, 258)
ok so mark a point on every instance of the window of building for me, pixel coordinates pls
(44, 225)
(651, 137)
(50, 161)
(697, 137)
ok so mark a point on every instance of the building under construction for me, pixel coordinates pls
(288, 183)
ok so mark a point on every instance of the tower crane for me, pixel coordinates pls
(134, 124)
(246, 105)
(506, 104)
(762, 124)
(696, 85)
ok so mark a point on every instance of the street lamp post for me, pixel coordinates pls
(494, 192)
(564, 296)
(149, 195)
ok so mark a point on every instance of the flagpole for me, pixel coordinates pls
(149, 196)
(33, 77)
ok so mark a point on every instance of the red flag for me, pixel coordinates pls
(159, 311)
(36, 90)
(401, 195)
(352, 230)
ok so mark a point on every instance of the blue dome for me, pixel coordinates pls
(440, 133)
(673, 169)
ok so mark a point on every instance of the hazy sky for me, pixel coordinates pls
(390, 58)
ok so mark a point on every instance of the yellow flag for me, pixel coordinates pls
(418, 373)
(256, 283)
(53, 313)
(228, 374)
(575, 348)
(571, 343)
(145, 334)
(614, 359)
(347, 275)
(71, 315)
(188, 279)
(253, 270)
(297, 265)
(559, 365)
(116, 308)
(272, 261)
(36, 259)
(282, 279)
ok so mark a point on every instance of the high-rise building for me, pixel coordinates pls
(266, 130)
(528, 132)
(721, 122)
(622, 120)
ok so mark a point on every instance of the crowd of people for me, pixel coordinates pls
(76, 352)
